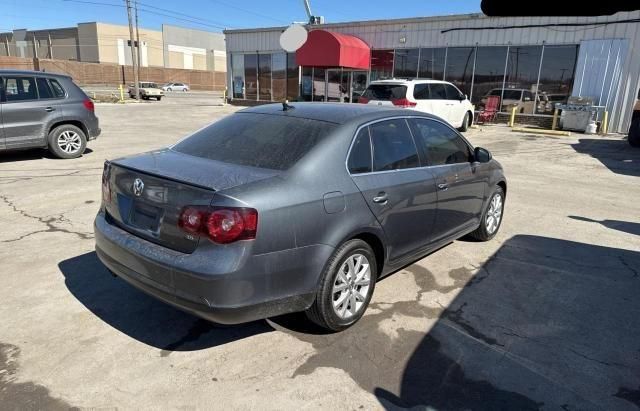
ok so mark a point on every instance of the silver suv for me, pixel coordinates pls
(45, 110)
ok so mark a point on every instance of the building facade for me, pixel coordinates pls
(537, 58)
(96, 42)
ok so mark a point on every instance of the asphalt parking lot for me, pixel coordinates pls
(547, 315)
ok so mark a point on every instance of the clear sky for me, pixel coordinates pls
(214, 15)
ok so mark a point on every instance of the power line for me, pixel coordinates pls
(250, 11)
(179, 13)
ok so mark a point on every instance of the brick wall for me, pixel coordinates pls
(542, 121)
(113, 74)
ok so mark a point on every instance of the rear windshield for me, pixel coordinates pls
(258, 140)
(385, 92)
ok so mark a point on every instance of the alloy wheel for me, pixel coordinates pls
(494, 214)
(351, 286)
(69, 141)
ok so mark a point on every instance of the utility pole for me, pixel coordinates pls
(138, 44)
(133, 52)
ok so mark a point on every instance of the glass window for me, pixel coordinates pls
(460, 67)
(381, 64)
(20, 88)
(318, 84)
(406, 63)
(57, 89)
(432, 63)
(437, 91)
(264, 76)
(360, 157)
(307, 84)
(452, 92)
(421, 91)
(439, 143)
(522, 75)
(293, 88)
(256, 140)
(237, 73)
(385, 92)
(393, 146)
(489, 72)
(279, 76)
(251, 76)
(557, 71)
(44, 91)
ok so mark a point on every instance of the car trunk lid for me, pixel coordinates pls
(149, 191)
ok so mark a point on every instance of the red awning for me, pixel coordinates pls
(328, 49)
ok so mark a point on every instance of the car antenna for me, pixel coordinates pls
(286, 106)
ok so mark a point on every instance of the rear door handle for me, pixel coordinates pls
(443, 186)
(380, 198)
(49, 109)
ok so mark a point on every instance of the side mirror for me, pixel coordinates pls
(463, 97)
(481, 155)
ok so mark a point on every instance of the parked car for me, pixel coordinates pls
(45, 110)
(148, 90)
(175, 87)
(518, 97)
(436, 97)
(279, 209)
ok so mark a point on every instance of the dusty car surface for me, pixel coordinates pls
(147, 89)
(280, 208)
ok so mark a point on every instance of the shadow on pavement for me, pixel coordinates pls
(545, 322)
(617, 155)
(624, 226)
(12, 156)
(142, 317)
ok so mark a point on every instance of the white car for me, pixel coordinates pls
(436, 97)
(175, 87)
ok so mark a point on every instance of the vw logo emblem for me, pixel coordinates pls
(138, 187)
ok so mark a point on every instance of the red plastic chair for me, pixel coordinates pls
(490, 110)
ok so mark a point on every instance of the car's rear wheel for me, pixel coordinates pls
(492, 217)
(67, 141)
(346, 288)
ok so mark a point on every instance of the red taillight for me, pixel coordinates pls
(88, 104)
(363, 100)
(222, 225)
(106, 176)
(403, 102)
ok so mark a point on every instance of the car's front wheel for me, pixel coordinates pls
(465, 122)
(67, 141)
(492, 217)
(347, 285)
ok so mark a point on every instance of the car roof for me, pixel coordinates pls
(5, 72)
(405, 81)
(338, 113)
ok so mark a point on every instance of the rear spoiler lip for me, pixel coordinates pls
(175, 180)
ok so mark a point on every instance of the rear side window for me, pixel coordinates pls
(437, 91)
(385, 92)
(20, 88)
(258, 140)
(360, 157)
(393, 146)
(57, 89)
(44, 91)
(439, 143)
(421, 91)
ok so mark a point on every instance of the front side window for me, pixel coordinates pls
(439, 143)
(437, 91)
(452, 92)
(360, 157)
(20, 88)
(257, 140)
(393, 146)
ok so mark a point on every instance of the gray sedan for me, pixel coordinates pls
(285, 208)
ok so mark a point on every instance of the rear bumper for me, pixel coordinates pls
(259, 287)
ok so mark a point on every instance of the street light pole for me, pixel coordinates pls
(138, 44)
(133, 52)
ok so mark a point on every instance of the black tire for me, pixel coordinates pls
(158, 98)
(145, 97)
(634, 132)
(465, 123)
(74, 134)
(322, 311)
(482, 233)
